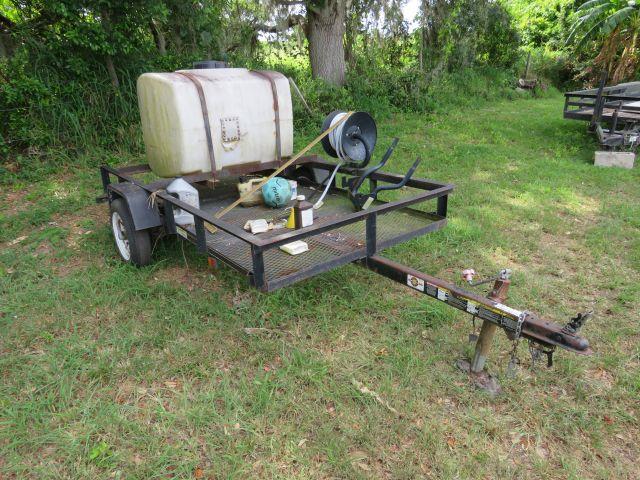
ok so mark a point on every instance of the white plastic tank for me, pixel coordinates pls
(240, 106)
(189, 195)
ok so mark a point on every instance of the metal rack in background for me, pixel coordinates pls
(613, 113)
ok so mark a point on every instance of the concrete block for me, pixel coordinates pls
(614, 159)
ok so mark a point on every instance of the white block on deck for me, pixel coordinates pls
(614, 159)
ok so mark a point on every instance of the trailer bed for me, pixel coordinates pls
(586, 114)
(339, 234)
(327, 249)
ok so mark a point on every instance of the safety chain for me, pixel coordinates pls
(473, 336)
(513, 360)
(537, 351)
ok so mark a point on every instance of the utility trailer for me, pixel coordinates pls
(338, 236)
(613, 113)
(229, 122)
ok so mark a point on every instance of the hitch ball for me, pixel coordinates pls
(505, 274)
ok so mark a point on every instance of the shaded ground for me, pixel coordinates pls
(114, 372)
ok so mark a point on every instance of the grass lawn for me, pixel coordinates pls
(108, 371)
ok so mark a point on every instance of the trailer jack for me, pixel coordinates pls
(544, 336)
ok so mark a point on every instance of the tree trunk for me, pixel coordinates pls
(175, 40)
(6, 42)
(113, 75)
(4, 51)
(105, 20)
(325, 31)
(421, 50)
(158, 37)
(349, 57)
(351, 33)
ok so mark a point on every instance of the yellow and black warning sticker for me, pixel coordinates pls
(497, 313)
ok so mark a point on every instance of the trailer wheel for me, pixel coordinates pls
(133, 246)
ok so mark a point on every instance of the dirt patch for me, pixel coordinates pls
(69, 266)
(73, 223)
(189, 279)
(15, 202)
(601, 378)
(79, 224)
(97, 213)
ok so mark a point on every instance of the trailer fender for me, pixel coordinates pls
(144, 215)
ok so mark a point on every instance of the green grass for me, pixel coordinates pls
(109, 371)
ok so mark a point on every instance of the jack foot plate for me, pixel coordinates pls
(482, 380)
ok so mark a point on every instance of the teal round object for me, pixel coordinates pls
(276, 192)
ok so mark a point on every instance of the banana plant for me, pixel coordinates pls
(615, 23)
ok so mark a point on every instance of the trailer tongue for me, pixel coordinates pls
(516, 323)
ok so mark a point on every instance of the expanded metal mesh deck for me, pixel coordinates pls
(327, 250)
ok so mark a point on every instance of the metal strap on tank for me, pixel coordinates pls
(276, 109)
(205, 117)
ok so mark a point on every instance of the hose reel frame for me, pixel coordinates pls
(353, 141)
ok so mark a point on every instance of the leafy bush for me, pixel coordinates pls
(469, 87)
(47, 109)
(541, 23)
(76, 94)
(498, 45)
(558, 68)
(20, 96)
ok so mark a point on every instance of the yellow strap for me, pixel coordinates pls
(222, 212)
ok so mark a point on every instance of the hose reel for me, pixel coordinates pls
(352, 141)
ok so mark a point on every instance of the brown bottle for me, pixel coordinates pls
(302, 212)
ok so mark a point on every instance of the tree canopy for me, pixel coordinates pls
(68, 67)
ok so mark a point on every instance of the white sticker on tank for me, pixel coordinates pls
(230, 127)
(442, 295)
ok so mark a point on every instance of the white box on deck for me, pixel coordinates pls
(240, 105)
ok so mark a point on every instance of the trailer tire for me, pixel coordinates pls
(133, 246)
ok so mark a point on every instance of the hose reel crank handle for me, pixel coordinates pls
(363, 201)
(355, 182)
(401, 183)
